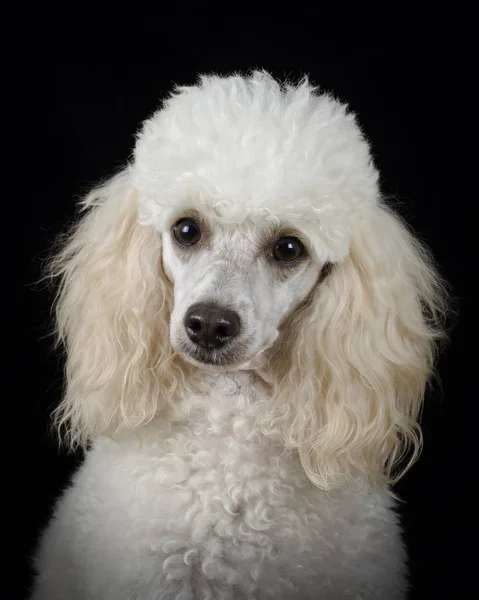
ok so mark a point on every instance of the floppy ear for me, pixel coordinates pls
(112, 314)
(350, 387)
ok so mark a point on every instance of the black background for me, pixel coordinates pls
(80, 94)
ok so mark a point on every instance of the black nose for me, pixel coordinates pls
(211, 326)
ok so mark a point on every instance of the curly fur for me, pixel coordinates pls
(271, 479)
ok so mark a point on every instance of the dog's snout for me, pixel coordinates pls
(211, 326)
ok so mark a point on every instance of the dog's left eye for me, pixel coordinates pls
(187, 232)
(288, 250)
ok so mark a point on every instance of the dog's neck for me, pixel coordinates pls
(254, 373)
(211, 395)
(258, 369)
(261, 381)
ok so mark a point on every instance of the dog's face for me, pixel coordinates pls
(233, 286)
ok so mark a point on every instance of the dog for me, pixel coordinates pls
(249, 331)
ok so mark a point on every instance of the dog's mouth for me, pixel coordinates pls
(230, 356)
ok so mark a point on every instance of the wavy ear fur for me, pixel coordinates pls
(112, 315)
(353, 363)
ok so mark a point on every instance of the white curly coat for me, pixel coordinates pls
(267, 472)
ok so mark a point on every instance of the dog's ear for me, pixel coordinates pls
(351, 385)
(112, 314)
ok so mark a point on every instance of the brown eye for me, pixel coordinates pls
(187, 232)
(288, 250)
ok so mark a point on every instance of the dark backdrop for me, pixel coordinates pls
(80, 94)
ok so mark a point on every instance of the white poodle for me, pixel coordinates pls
(249, 334)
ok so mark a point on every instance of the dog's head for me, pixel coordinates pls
(249, 232)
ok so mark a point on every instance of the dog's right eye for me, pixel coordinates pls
(187, 232)
(288, 250)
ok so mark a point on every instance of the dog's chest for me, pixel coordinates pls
(210, 498)
(214, 478)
